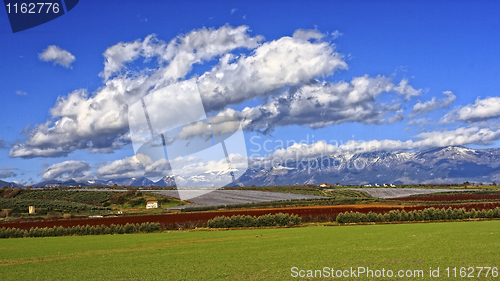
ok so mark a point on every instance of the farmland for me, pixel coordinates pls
(446, 197)
(249, 253)
(314, 209)
(56, 203)
(253, 253)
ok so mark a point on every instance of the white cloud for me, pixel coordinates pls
(141, 166)
(460, 136)
(216, 125)
(323, 104)
(420, 122)
(482, 109)
(98, 121)
(57, 56)
(67, 170)
(7, 174)
(334, 35)
(233, 10)
(180, 53)
(301, 151)
(433, 104)
(306, 34)
(21, 150)
(21, 93)
(128, 167)
(406, 90)
(195, 170)
(273, 65)
(121, 53)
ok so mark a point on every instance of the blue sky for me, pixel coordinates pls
(436, 48)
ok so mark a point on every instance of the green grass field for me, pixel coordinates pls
(261, 254)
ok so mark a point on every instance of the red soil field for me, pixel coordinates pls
(307, 213)
(450, 197)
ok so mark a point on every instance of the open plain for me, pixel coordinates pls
(256, 254)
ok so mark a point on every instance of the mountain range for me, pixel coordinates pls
(454, 164)
(9, 184)
(139, 182)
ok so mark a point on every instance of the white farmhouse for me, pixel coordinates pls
(152, 205)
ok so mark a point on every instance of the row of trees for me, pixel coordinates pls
(87, 197)
(49, 205)
(251, 221)
(80, 230)
(7, 192)
(428, 214)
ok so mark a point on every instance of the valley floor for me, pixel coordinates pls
(259, 254)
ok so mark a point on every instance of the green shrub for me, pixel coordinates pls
(394, 215)
(404, 216)
(431, 214)
(496, 212)
(249, 221)
(380, 218)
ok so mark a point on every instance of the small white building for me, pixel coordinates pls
(152, 205)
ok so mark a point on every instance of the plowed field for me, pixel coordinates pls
(449, 197)
(307, 213)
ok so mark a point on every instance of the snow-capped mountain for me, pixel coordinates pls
(441, 165)
(70, 183)
(130, 182)
(137, 182)
(165, 181)
(9, 184)
(452, 164)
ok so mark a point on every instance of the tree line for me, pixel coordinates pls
(128, 228)
(253, 221)
(428, 214)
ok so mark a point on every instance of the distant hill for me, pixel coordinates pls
(137, 182)
(9, 184)
(454, 164)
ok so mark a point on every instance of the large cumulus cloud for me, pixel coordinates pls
(288, 74)
(480, 110)
(433, 104)
(322, 104)
(98, 121)
(443, 138)
(67, 170)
